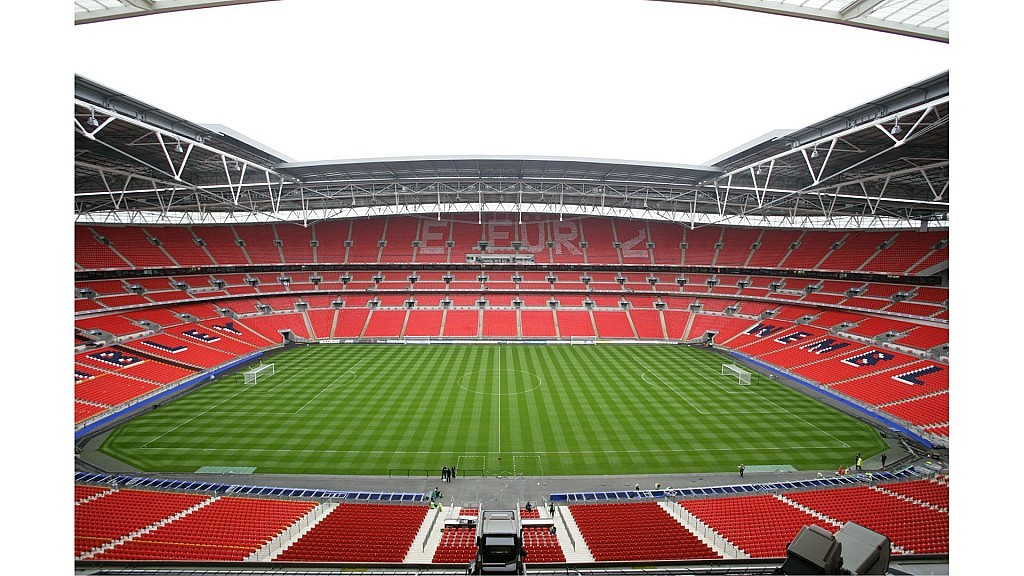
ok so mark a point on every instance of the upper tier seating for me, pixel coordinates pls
(223, 245)
(599, 234)
(181, 245)
(401, 233)
(857, 250)
(296, 243)
(700, 245)
(260, 243)
(667, 239)
(908, 251)
(736, 246)
(814, 246)
(433, 236)
(134, 244)
(636, 531)
(774, 248)
(92, 254)
(641, 243)
(633, 238)
(358, 533)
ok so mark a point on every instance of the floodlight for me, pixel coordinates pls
(814, 153)
(92, 121)
(177, 147)
(896, 128)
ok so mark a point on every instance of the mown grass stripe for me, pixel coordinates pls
(363, 409)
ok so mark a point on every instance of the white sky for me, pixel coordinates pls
(617, 79)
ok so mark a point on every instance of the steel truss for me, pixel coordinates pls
(888, 171)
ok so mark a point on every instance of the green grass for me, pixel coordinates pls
(494, 409)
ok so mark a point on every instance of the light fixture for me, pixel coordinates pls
(758, 169)
(814, 153)
(896, 127)
(238, 167)
(92, 121)
(177, 147)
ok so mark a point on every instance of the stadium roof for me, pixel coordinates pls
(87, 11)
(927, 19)
(882, 164)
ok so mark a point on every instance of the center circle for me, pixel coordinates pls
(343, 379)
(511, 382)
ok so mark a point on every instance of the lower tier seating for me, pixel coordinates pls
(778, 522)
(355, 532)
(226, 529)
(636, 531)
(910, 526)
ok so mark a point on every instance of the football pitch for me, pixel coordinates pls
(492, 410)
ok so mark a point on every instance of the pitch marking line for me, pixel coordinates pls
(540, 463)
(800, 418)
(521, 454)
(665, 384)
(232, 397)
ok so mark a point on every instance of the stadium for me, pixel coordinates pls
(738, 367)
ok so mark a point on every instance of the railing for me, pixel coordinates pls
(427, 473)
(567, 532)
(426, 537)
(698, 527)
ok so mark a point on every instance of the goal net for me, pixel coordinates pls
(256, 374)
(742, 376)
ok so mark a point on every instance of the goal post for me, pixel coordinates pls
(254, 375)
(742, 376)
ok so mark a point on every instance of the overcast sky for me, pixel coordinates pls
(615, 79)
